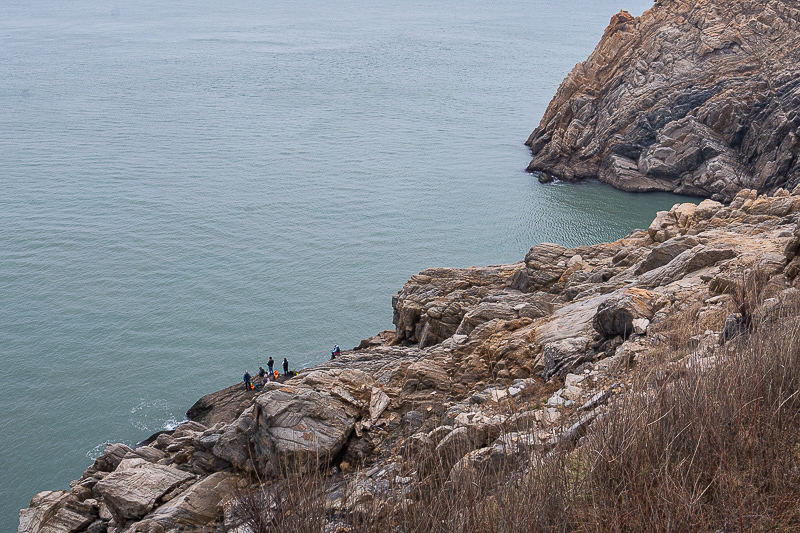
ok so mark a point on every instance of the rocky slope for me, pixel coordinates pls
(699, 98)
(485, 365)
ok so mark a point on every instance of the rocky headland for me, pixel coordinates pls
(699, 98)
(485, 365)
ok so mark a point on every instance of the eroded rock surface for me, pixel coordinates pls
(700, 98)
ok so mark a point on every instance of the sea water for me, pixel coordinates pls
(190, 187)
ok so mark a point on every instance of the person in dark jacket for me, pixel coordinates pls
(285, 367)
(246, 380)
(270, 364)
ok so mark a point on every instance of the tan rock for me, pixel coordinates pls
(131, 491)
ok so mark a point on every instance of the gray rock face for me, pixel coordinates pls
(615, 316)
(297, 424)
(686, 262)
(131, 491)
(563, 354)
(196, 506)
(54, 512)
(698, 98)
(666, 252)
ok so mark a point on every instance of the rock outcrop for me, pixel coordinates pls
(700, 98)
(487, 365)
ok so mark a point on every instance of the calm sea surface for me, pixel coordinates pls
(189, 187)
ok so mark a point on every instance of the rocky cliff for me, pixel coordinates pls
(485, 365)
(696, 97)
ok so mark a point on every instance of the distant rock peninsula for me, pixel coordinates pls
(694, 97)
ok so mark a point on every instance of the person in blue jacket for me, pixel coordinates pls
(246, 379)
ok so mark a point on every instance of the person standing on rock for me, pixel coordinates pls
(285, 367)
(270, 364)
(246, 380)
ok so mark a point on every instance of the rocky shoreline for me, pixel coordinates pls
(548, 340)
(488, 365)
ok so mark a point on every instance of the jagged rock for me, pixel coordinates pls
(299, 425)
(378, 403)
(360, 408)
(111, 457)
(693, 259)
(418, 444)
(207, 442)
(544, 265)
(488, 460)
(459, 442)
(131, 491)
(615, 315)
(55, 512)
(148, 453)
(233, 444)
(196, 506)
(640, 325)
(573, 320)
(484, 313)
(432, 303)
(771, 263)
(666, 252)
(425, 376)
(682, 99)
(560, 356)
(221, 406)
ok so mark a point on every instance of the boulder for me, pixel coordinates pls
(573, 320)
(458, 443)
(544, 265)
(299, 426)
(378, 403)
(196, 506)
(560, 356)
(131, 491)
(111, 457)
(666, 252)
(233, 445)
(689, 261)
(615, 316)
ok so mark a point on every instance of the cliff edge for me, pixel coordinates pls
(699, 98)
